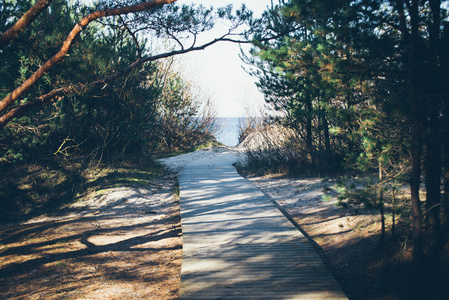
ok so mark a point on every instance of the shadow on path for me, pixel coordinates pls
(238, 245)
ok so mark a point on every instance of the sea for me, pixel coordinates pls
(229, 133)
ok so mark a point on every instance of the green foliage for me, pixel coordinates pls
(325, 76)
(149, 110)
(46, 155)
(326, 198)
(352, 196)
(365, 83)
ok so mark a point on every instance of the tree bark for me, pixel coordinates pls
(432, 159)
(23, 22)
(445, 137)
(309, 137)
(445, 200)
(381, 204)
(418, 256)
(327, 142)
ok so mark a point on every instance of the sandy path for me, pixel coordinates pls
(217, 154)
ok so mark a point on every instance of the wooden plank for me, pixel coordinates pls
(238, 245)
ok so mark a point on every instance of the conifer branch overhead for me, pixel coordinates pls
(58, 57)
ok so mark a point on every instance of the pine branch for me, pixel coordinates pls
(58, 57)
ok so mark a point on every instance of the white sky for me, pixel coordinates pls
(217, 70)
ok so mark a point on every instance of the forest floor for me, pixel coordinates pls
(125, 242)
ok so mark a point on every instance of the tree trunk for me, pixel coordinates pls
(381, 205)
(393, 215)
(445, 144)
(414, 192)
(418, 257)
(432, 155)
(445, 227)
(432, 169)
(445, 135)
(309, 137)
(320, 140)
(327, 142)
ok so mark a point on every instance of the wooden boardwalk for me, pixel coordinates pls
(238, 245)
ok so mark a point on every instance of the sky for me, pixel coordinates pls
(218, 72)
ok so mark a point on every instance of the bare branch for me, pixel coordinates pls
(58, 93)
(133, 35)
(23, 22)
(174, 38)
(21, 109)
